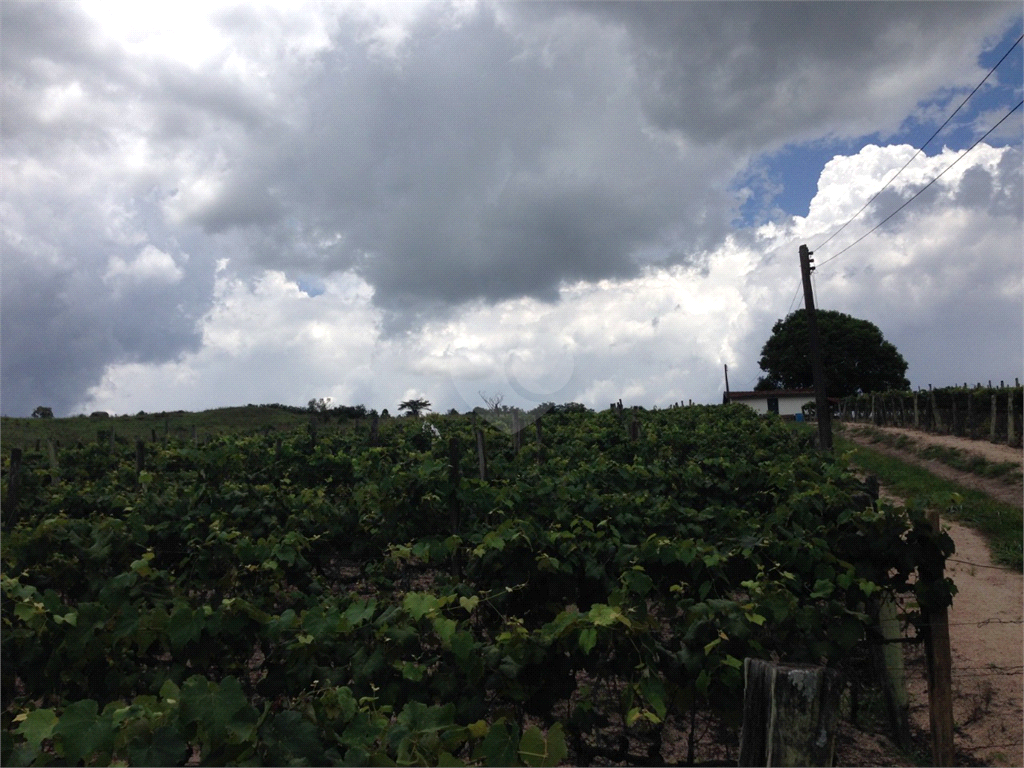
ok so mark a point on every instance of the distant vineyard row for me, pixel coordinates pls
(995, 413)
(353, 599)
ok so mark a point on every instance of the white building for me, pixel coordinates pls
(784, 402)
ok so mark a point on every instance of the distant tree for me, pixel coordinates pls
(350, 411)
(319, 405)
(571, 408)
(415, 406)
(856, 356)
(42, 412)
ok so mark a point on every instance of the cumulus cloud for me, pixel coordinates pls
(151, 264)
(944, 276)
(455, 161)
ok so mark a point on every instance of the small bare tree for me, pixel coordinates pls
(494, 401)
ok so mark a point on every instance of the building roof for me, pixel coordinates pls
(765, 393)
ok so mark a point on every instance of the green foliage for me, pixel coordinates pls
(1000, 523)
(259, 602)
(855, 355)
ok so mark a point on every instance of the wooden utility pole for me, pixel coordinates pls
(727, 383)
(818, 369)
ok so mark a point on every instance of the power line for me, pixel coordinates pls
(908, 202)
(921, 148)
(793, 300)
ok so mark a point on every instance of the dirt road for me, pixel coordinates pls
(997, 488)
(985, 623)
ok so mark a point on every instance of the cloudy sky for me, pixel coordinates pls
(218, 204)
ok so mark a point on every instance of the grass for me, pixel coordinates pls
(23, 433)
(952, 457)
(1002, 525)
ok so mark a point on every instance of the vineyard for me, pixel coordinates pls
(376, 597)
(993, 413)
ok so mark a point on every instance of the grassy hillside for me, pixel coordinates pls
(24, 433)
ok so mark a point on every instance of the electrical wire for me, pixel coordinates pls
(908, 202)
(793, 300)
(921, 148)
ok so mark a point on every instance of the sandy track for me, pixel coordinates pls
(986, 622)
(1000, 489)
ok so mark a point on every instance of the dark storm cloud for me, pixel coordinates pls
(757, 75)
(494, 154)
(534, 144)
(482, 164)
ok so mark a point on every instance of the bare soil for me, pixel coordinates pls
(985, 628)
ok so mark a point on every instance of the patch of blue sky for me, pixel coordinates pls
(785, 182)
(310, 285)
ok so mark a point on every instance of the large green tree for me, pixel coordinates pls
(856, 356)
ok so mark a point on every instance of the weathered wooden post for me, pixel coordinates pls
(140, 459)
(517, 438)
(481, 454)
(790, 713)
(51, 450)
(917, 414)
(992, 423)
(13, 486)
(454, 511)
(939, 661)
(889, 661)
(1011, 426)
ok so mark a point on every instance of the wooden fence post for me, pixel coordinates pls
(940, 664)
(481, 453)
(889, 658)
(454, 511)
(51, 450)
(517, 438)
(140, 459)
(1011, 427)
(992, 424)
(917, 414)
(790, 714)
(13, 486)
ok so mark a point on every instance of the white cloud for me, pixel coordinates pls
(150, 265)
(538, 194)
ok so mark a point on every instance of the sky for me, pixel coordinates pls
(214, 204)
